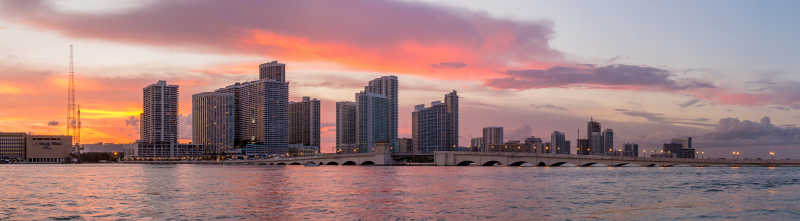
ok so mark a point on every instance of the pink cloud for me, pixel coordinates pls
(374, 35)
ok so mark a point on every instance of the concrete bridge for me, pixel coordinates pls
(517, 159)
(448, 158)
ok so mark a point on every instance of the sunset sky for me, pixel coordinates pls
(724, 72)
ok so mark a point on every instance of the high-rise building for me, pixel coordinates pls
(159, 119)
(492, 136)
(476, 144)
(345, 124)
(262, 119)
(435, 128)
(595, 137)
(304, 123)
(371, 124)
(387, 86)
(213, 120)
(451, 101)
(631, 150)
(429, 127)
(272, 70)
(559, 141)
(12, 146)
(608, 141)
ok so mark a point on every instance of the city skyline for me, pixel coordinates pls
(642, 96)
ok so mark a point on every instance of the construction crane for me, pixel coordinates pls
(73, 113)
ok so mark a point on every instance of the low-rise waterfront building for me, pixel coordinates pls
(12, 146)
(48, 148)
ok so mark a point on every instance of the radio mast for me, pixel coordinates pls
(72, 111)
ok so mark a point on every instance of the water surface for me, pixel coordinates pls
(209, 192)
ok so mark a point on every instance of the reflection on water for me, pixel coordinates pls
(135, 192)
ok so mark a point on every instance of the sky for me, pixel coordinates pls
(723, 72)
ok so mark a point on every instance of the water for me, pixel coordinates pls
(209, 192)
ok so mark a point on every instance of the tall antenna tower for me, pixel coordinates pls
(77, 137)
(72, 112)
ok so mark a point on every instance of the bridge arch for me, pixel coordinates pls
(312, 162)
(295, 163)
(349, 163)
(620, 164)
(491, 163)
(558, 164)
(333, 163)
(367, 163)
(651, 165)
(465, 163)
(588, 164)
(541, 164)
(518, 163)
(282, 163)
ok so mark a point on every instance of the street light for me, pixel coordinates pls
(772, 155)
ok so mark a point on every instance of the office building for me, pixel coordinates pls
(406, 145)
(159, 118)
(583, 147)
(429, 127)
(387, 86)
(679, 148)
(608, 141)
(371, 124)
(631, 150)
(492, 135)
(434, 128)
(273, 71)
(12, 146)
(345, 124)
(262, 119)
(48, 148)
(304, 124)
(595, 137)
(171, 151)
(536, 144)
(559, 141)
(451, 101)
(214, 121)
(476, 144)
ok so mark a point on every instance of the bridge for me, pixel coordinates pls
(452, 158)
(552, 160)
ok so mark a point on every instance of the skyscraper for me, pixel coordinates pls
(387, 86)
(345, 124)
(559, 141)
(304, 123)
(262, 118)
(451, 100)
(213, 120)
(272, 70)
(159, 118)
(608, 141)
(492, 136)
(595, 137)
(371, 124)
(429, 127)
(435, 128)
